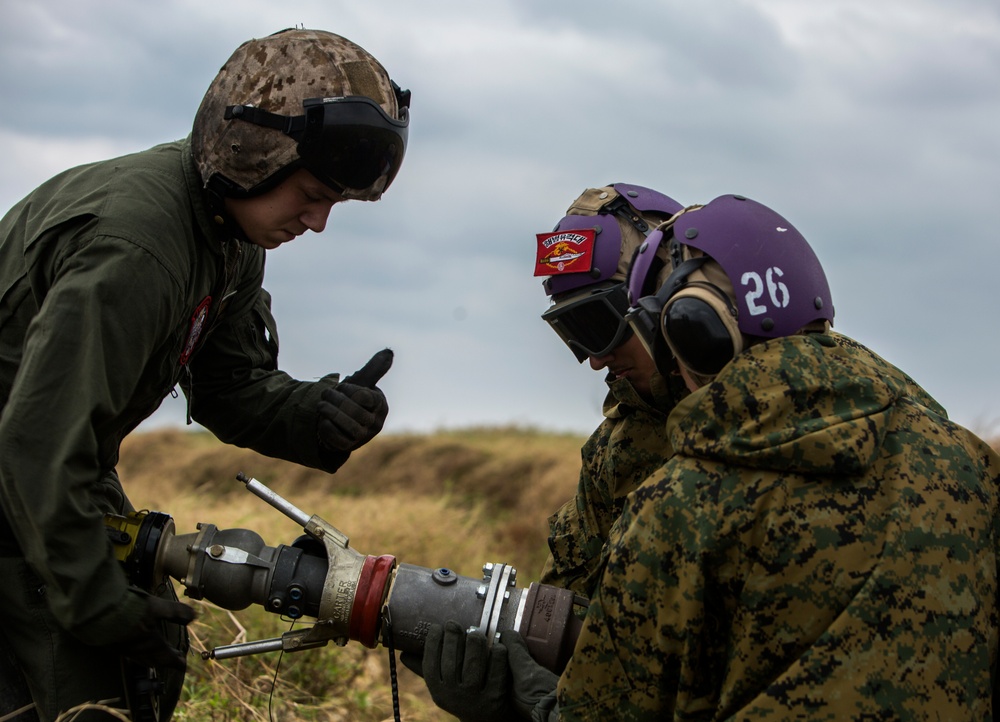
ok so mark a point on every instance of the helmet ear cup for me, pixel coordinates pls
(699, 325)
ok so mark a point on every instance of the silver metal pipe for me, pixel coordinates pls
(277, 501)
(243, 649)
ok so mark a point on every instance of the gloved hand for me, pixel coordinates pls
(145, 645)
(353, 412)
(413, 662)
(464, 675)
(532, 685)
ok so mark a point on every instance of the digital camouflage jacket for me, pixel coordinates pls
(115, 286)
(821, 546)
(629, 445)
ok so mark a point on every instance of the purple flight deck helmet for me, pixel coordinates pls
(583, 259)
(778, 284)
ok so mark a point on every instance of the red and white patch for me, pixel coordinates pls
(198, 319)
(564, 252)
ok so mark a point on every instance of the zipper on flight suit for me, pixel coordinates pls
(232, 251)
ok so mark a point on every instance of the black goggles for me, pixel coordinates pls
(350, 143)
(593, 323)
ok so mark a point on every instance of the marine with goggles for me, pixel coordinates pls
(123, 279)
(584, 261)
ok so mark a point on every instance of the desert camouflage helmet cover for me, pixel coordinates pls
(276, 74)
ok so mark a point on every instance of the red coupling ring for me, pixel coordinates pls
(366, 613)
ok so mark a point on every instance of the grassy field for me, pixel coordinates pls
(455, 499)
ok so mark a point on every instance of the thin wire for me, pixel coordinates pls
(274, 681)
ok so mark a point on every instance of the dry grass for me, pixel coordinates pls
(455, 499)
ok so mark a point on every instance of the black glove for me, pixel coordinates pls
(413, 662)
(464, 675)
(145, 645)
(353, 412)
(533, 687)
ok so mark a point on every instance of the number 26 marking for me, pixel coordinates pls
(776, 290)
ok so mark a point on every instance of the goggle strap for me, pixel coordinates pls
(402, 96)
(292, 126)
(678, 278)
(623, 209)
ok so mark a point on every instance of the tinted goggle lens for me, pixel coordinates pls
(592, 324)
(352, 144)
(643, 320)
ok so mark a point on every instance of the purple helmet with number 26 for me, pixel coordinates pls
(739, 270)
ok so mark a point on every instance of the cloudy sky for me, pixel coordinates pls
(870, 126)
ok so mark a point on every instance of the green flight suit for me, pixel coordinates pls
(116, 285)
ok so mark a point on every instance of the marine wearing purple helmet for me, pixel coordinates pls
(588, 293)
(740, 271)
(819, 513)
(585, 260)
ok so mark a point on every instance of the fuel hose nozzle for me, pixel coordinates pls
(351, 596)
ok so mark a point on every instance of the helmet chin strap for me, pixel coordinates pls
(216, 198)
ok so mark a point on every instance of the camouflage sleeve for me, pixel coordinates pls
(642, 642)
(621, 453)
(576, 531)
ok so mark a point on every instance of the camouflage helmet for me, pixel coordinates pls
(586, 260)
(269, 82)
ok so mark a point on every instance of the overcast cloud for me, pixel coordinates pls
(870, 126)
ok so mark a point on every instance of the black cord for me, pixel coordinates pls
(392, 670)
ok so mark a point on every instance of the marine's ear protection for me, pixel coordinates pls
(646, 298)
(692, 315)
(698, 320)
(762, 281)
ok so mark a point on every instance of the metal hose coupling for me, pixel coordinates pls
(349, 596)
(549, 618)
(369, 599)
(318, 576)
